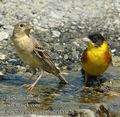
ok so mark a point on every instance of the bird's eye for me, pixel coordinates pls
(22, 25)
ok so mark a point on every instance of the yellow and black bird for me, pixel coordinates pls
(32, 52)
(96, 57)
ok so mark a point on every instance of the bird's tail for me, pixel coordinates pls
(62, 79)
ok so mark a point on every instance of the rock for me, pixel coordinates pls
(76, 44)
(56, 33)
(21, 68)
(3, 35)
(113, 50)
(13, 61)
(1, 73)
(119, 39)
(82, 113)
(75, 54)
(88, 112)
(58, 47)
(116, 61)
(2, 56)
(65, 56)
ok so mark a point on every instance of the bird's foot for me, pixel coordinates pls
(30, 87)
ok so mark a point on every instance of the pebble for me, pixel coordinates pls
(66, 56)
(75, 54)
(58, 47)
(88, 113)
(116, 61)
(119, 39)
(56, 33)
(82, 113)
(3, 35)
(2, 56)
(113, 50)
(76, 44)
(1, 73)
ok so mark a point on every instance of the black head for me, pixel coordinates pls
(96, 38)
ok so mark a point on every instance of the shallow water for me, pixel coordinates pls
(48, 95)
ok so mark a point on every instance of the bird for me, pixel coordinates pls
(96, 57)
(33, 54)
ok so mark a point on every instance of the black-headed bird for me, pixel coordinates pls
(32, 53)
(96, 57)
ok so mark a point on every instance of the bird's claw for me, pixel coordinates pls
(30, 87)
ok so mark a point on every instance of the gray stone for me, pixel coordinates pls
(75, 54)
(113, 50)
(58, 47)
(56, 33)
(2, 56)
(3, 35)
(66, 56)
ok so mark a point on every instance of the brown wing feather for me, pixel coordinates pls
(45, 59)
(84, 57)
(108, 57)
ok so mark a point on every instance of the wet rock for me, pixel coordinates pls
(21, 68)
(82, 113)
(12, 61)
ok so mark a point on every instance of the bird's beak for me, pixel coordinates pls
(30, 27)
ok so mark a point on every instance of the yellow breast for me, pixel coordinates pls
(96, 63)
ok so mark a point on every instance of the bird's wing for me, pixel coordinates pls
(84, 57)
(44, 57)
(111, 63)
(38, 48)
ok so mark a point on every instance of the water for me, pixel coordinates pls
(48, 95)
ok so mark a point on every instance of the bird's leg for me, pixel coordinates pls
(33, 85)
(85, 82)
(26, 85)
(34, 72)
(98, 81)
(86, 79)
(62, 79)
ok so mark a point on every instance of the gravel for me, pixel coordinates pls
(60, 25)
